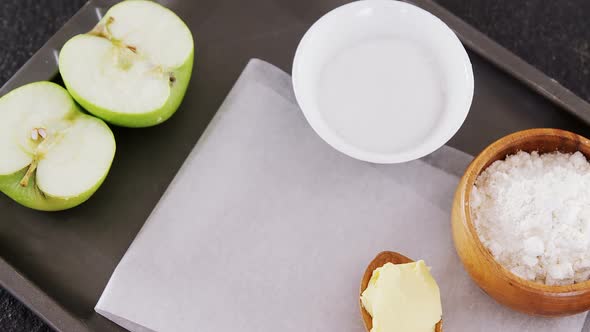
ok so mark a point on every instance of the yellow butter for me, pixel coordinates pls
(403, 298)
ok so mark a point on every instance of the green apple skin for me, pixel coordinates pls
(33, 198)
(142, 120)
(182, 74)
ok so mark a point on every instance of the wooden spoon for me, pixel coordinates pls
(379, 261)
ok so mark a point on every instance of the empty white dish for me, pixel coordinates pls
(383, 81)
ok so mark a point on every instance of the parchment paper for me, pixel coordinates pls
(267, 228)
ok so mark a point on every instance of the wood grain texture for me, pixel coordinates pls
(506, 288)
(380, 260)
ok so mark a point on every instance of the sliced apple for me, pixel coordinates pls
(52, 156)
(133, 69)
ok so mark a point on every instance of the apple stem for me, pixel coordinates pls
(25, 180)
(104, 31)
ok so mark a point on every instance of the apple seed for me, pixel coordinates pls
(42, 132)
(34, 134)
(38, 132)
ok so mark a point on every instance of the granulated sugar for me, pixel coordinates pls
(533, 213)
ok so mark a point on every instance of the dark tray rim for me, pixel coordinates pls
(43, 66)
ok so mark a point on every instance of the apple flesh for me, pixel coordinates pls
(133, 68)
(53, 156)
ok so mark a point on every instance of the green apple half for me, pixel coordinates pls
(133, 69)
(52, 156)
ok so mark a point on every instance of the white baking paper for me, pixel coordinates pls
(267, 228)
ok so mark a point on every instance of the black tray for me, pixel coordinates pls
(59, 263)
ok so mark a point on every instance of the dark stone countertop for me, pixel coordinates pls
(551, 35)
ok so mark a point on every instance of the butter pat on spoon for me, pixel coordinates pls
(392, 287)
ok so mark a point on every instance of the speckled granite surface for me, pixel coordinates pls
(552, 35)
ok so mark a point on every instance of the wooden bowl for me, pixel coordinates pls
(380, 260)
(508, 289)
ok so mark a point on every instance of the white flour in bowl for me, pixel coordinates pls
(533, 213)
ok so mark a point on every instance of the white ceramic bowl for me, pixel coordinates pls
(432, 105)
